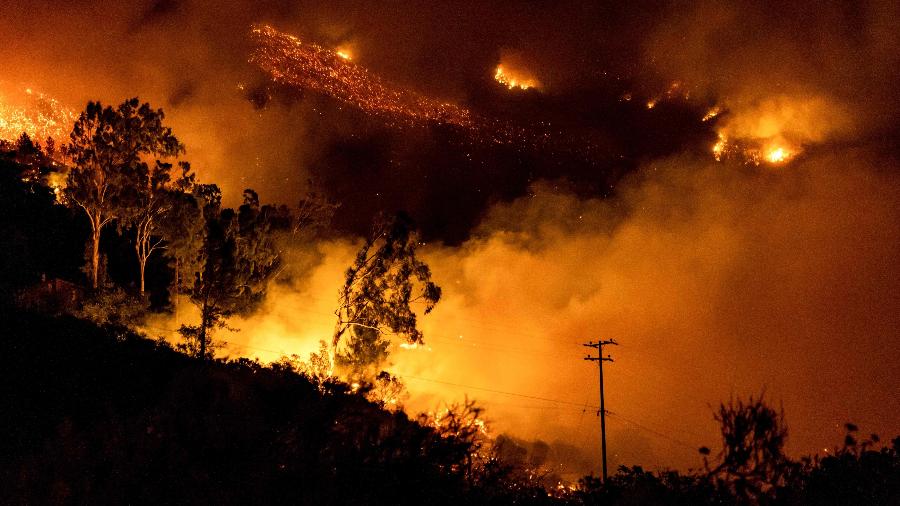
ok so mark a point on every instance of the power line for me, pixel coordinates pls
(514, 394)
(581, 407)
(652, 431)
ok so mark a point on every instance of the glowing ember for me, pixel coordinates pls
(343, 54)
(32, 112)
(311, 67)
(712, 113)
(331, 73)
(513, 81)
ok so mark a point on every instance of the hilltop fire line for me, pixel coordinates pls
(333, 73)
(34, 113)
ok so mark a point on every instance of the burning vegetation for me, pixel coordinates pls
(332, 73)
(23, 109)
(514, 80)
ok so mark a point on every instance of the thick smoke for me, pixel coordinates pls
(814, 72)
(717, 281)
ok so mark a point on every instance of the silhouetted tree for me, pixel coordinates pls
(107, 147)
(752, 460)
(314, 213)
(379, 288)
(235, 262)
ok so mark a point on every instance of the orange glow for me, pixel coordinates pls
(514, 80)
(32, 112)
(712, 113)
(777, 155)
(331, 73)
(719, 147)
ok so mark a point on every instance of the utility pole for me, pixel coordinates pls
(600, 359)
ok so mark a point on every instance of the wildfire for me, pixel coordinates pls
(719, 147)
(676, 90)
(777, 155)
(32, 112)
(334, 74)
(312, 67)
(512, 80)
(752, 151)
(712, 113)
(776, 129)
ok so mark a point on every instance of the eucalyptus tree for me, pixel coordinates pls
(108, 149)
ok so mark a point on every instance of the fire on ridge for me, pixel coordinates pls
(24, 109)
(333, 73)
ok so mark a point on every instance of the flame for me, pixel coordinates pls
(676, 90)
(312, 67)
(719, 147)
(778, 155)
(712, 113)
(38, 115)
(513, 80)
(775, 129)
(753, 151)
(333, 73)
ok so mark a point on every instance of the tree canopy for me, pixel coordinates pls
(234, 263)
(109, 148)
(379, 289)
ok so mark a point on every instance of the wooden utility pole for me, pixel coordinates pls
(600, 359)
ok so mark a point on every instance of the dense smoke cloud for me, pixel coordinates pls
(716, 280)
(815, 71)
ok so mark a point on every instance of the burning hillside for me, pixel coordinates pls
(23, 109)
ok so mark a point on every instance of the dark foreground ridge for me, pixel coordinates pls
(102, 415)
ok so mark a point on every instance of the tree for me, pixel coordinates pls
(183, 229)
(106, 147)
(376, 298)
(314, 212)
(752, 460)
(237, 258)
(157, 210)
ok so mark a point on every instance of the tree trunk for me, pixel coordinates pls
(175, 290)
(339, 330)
(142, 263)
(202, 336)
(95, 256)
